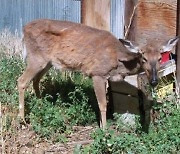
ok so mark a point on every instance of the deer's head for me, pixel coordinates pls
(150, 58)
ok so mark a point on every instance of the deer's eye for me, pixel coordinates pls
(144, 60)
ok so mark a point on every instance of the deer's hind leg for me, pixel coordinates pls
(37, 79)
(34, 66)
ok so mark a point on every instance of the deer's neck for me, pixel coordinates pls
(125, 69)
(131, 67)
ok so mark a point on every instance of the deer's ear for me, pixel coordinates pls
(170, 44)
(130, 46)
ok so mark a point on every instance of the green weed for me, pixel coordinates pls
(163, 136)
(64, 102)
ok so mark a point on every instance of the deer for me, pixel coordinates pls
(96, 53)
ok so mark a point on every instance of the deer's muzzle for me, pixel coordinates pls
(154, 80)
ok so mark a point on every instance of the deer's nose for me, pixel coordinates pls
(154, 83)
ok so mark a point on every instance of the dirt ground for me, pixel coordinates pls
(25, 141)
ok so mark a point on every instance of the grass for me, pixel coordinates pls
(68, 100)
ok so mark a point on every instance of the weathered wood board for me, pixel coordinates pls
(96, 13)
(125, 97)
(155, 20)
(127, 104)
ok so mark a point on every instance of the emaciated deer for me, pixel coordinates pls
(96, 53)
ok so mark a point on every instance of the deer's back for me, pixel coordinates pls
(73, 46)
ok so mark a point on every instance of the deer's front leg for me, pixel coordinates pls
(100, 91)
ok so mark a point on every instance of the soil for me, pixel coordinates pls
(26, 141)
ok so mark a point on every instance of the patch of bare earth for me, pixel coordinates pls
(25, 141)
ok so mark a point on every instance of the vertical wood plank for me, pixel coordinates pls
(96, 13)
(178, 47)
(156, 20)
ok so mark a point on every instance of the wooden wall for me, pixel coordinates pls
(154, 20)
(96, 13)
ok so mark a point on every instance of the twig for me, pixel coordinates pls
(82, 131)
(177, 90)
(177, 87)
(67, 145)
(1, 130)
(81, 142)
(130, 21)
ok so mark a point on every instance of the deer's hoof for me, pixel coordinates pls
(21, 119)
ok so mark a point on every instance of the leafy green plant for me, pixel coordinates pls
(163, 136)
(46, 119)
(51, 120)
(10, 69)
(79, 110)
(56, 112)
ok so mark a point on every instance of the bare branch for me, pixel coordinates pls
(130, 21)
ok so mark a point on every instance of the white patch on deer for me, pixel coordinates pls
(57, 66)
(116, 78)
(134, 50)
(63, 29)
(24, 53)
(20, 106)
